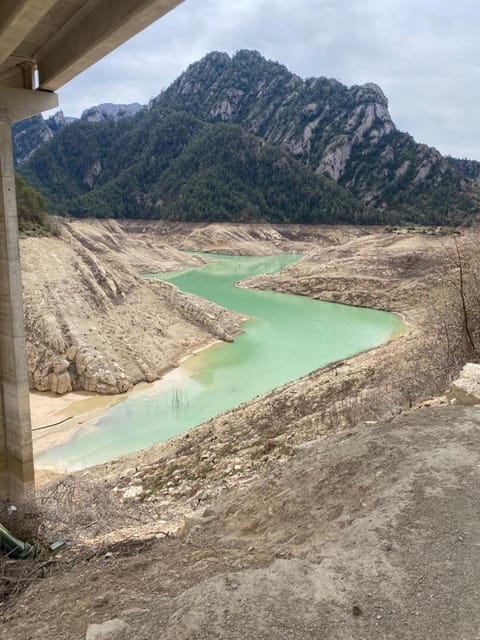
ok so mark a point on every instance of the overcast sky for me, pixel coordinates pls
(425, 54)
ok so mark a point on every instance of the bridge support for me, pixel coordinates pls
(16, 454)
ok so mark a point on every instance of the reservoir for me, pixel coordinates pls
(285, 338)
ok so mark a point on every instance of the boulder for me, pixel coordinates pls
(61, 383)
(109, 630)
(465, 390)
(60, 364)
(133, 492)
(72, 352)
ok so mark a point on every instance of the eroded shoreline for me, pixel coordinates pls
(58, 419)
(93, 409)
(347, 265)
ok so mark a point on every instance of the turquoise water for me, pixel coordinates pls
(286, 337)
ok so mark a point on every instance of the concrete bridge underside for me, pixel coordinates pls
(43, 45)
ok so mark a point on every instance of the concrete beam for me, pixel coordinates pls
(17, 19)
(17, 104)
(108, 25)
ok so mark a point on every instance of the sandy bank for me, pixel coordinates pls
(56, 419)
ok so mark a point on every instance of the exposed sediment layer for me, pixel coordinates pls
(94, 323)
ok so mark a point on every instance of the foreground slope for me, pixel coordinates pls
(370, 534)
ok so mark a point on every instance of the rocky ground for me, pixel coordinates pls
(284, 518)
(372, 533)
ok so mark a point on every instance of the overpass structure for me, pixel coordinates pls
(43, 45)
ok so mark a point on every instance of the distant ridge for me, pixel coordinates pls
(32, 133)
(109, 110)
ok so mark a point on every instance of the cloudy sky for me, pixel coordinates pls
(425, 54)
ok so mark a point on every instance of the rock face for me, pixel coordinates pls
(319, 120)
(94, 324)
(34, 132)
(465, 390)
(109, 111)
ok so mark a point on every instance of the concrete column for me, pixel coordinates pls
(16, 455)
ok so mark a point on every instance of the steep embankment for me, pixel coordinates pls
(94, 323)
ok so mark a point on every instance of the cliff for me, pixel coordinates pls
(94, 323)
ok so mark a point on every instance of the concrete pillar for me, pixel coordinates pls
(16, 455)
(16, 451)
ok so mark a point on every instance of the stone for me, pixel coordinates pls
(60, 364)
(465, 390)
(133, 492)
(64, 383)
(71, 353)
(101, 600)
(135, 611)
(109, 630)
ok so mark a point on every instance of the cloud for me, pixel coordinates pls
(423, 53)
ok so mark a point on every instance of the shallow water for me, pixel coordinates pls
(286, 337)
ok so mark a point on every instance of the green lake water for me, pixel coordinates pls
(286, 337)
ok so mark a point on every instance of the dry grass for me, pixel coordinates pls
(74, 509)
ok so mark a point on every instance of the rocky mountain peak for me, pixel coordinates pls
(110, 111)
(247, 55)
(214, 57)
(371, 91)
(57, 121)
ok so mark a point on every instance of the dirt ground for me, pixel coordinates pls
(368, 534)
(314, 511)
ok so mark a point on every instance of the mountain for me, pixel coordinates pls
(32, 133)
(168, 164)
(342, 132)
(243, 138)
